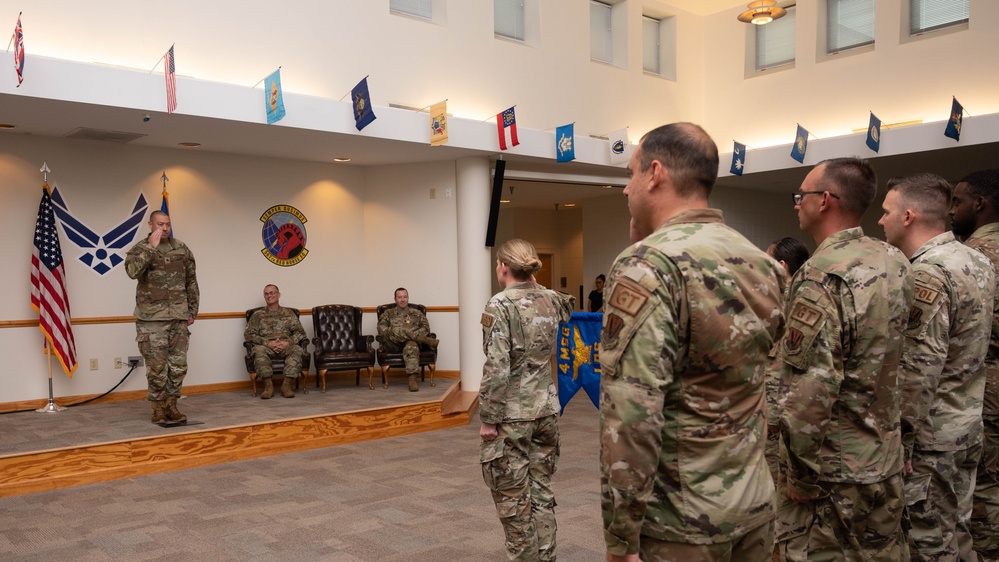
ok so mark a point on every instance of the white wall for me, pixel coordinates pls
(367, 233)
(897, 81)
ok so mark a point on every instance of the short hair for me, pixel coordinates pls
(153, 215)
(791, 251)
(984, 183)
(272, 285)
(521, 257)
(602, 277)
(927, 193)
(854, 180)
(399, 289)
(688, 154)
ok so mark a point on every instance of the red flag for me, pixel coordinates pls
(19, 51)
(48, 286)
(171, 81)
(504, 121)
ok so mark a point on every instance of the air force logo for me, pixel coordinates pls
(100, 253)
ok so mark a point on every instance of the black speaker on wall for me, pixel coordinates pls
(494, 204)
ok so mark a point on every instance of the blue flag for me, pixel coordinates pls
(956, 119)
(273, 98)
(565, 143)
(361, 99)
(738, 159)
(800, 145)
(579, 357)
(874, 133)
(165, 208)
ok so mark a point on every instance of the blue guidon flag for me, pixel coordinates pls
(955, 121)
(578, 360)
(363, 114)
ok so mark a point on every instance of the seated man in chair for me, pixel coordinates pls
(406, 328)
(274, 332)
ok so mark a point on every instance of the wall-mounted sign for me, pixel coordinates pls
(284, 235)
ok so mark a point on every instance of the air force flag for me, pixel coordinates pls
(565, 143)
(738, 159)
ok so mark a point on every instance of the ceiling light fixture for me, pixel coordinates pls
(7, 126)
(504, 200)
(341, 159)
(189, 144)
(762, 12)
(569, 204)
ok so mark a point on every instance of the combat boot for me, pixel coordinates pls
(158, 415)
(172, 413)
(413, 386)
(427, 340)
(268, 389)
(286, 390)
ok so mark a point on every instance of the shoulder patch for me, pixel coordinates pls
(925, 293)
(629, 297)
(806, 314)
(915, 319)
(487, 320)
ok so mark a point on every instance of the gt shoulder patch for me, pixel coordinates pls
(629, 297)
(806, 314)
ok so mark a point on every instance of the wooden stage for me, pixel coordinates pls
(111, 440)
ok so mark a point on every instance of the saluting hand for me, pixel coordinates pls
(154, 237)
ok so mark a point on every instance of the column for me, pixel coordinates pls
(474, 264)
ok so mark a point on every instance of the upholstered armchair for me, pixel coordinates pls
(387, 359)
(277, 364)
(339, 344)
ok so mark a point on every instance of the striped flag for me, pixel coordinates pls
(19, 51)
(504, 121)
(48, 286)
(170, 70)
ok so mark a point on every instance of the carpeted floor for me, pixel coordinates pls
(411, 498)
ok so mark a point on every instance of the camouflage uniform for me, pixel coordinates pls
(942, 382)
(692, 315)
(985, 512)
(840, 437)
(166, 296)
(399, 329)
(518, 394)
(266, 326)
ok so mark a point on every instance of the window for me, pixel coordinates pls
(775, 42)
(928, 15)
(851, 24)
(601, 38)
(508, 19)
(418, 8)
(650, 45)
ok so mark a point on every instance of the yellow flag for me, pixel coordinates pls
(438, 123)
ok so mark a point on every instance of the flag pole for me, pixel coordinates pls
(51, 407)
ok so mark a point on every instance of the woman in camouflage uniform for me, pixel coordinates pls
(518, 402)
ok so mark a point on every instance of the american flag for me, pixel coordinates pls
(48, 286)
(19, 51)
(171, 81)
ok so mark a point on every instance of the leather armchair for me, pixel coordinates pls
(388, 359)
(277, 364)
(339, 344)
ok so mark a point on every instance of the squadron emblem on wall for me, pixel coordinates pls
(284, 235)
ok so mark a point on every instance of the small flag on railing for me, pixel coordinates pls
(800, 144)
(738, 159)
(170, 70)
(507, 120)
(19, 51)
(617, 143)
(956, 120)
(565, 143)
(273, 97)
(874, 133)
(438, 123)
(363, 114)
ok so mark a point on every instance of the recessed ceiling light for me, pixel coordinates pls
(504, 200)
(341, 159)
(7, 126)
(189, 144)
(569, 204)
(608, 186)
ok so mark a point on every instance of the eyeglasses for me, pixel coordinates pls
(269, 293)
(797, 197)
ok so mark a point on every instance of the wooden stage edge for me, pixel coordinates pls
(51, 469)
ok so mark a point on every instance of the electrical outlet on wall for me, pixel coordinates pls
(93, 363)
